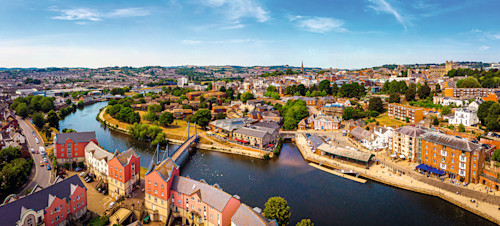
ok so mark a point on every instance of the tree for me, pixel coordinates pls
(496, 155)
(435, 121)
(230, 93)
(210, 86)
(424, 91)
(47, 104)
(461, 128)
(220, 116)
(166, 118)
(411, 92)
(324, 86)
(301, 89)
(271, 89)
(9, 153)
(394, 98)
(305, 222)
(348, 112)
(438, 88)
(352, 90)
(154, 108)
(246, 96)
(493, 118)
(38, 120)
(277, 208)
(150, 116)
(376, 104)
(202, 117)
(22, 110)
(222, 89)
(446, 110)
(482, 111)
(53, 119)
(469, 82)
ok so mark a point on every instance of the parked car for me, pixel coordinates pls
(41, 163)
(32, 150)
(78, 169)
(111, 204)
(48, 167)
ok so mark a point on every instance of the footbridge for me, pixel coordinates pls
(180, 155)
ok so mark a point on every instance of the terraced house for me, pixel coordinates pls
(57, 204)
(70, 147)
(123, 169)
(158, 181)
(96, 159)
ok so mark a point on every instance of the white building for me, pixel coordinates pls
(382, 135)
(182, 82)
(445, 101)
(464, 116)
(96, 159)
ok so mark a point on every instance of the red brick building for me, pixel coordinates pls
(123, 170)
(70, 147)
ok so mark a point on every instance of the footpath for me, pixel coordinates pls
(485, 205)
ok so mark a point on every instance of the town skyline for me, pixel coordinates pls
(336, 34)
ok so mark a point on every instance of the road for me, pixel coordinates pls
(43, 177)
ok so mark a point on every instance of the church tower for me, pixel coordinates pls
(302, 67)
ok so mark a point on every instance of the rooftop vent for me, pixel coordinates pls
(257, 210)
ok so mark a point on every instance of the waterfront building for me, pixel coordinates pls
(404, 112)
(490, 179)
(124, 169)
(158, 181)
(458, 157)
(244, 215)
(58, 204)
(404, 143)
(96, 159)
(326, 122)
(225, 127)
(260, 137)
(70, 147)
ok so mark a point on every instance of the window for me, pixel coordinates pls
(426, 158)
(77, 197)
(156, 192)
(434, 161)
(452, 154)
(69, 148)
(29, 222)
(473, 172)
(161, 186)
(149, 181)
(156, 184)
(199, 200)
(192, 198)
(426, 152)
(162, 194)
(179, 202)
(120, 170)
(149, 189)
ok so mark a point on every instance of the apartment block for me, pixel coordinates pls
(403, 112)
(123, 172)
(468, 92)
(405, 143)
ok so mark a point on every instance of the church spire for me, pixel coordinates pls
(302, 67)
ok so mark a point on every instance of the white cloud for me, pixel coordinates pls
(382, 6)
(318, 24)
(237, 9)
(232, 27)
(191, 42)
(77, 14)
(81, 15)
(128, 12)
(483, 47)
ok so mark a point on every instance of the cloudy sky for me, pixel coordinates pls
(322, 33)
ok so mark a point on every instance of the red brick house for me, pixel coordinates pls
(70, 147)
(123, 170)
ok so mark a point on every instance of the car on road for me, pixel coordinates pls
(48, 167)
(42, 164)
(36, 140)
(32, 150)
(45, 160)
(78, 169)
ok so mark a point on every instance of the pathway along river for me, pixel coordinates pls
(324, 198)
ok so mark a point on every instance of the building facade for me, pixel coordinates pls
(70, 147)
(96, 159)
(158, 182)
(404, 143)
(123, 173)
(403, 112)
(468, 92)
(464, 116)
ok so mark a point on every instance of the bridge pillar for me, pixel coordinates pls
(188, 130)
(195, 128)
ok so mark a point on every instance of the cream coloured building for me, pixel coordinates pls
(96, 159)
(405, 142)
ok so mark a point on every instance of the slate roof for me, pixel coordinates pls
(164, 168)
(212, 196)
(316, 141)
(231, 124)
(270, 124)
(77, 137)
(410, 131)
(98, 152)
(11, 212)
(244, 215)
(124, 157)
(451, 141)
(360, 133)
(251, 132)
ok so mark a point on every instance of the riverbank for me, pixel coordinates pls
(205, 142)
(385, 175)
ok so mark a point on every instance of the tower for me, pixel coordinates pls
(302, 68)
(448, 66)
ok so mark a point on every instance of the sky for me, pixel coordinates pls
(346, 34)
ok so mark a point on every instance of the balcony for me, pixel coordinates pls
(443, 153)
(462, 158)
(462, 166)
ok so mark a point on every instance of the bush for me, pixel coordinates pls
(81, 165)
(66, 165)
(266, 156)
(99, 221)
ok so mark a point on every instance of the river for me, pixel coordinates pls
(324, 198)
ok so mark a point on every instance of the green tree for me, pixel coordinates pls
(496, 155)
(446, 110)
(53, 119)
(348, 113)
(483, 111)
(246, 96)
(210, 86)
(376, 104)
(435, 121)
(150, 116)
(47, 104)
(154, 108)
(38, 120)
(411, 92)
(461, 128)
(424, 91)
(324, 86)
(493, 118)
(166, 118)
(469, 82)
(277, 208)
(22, 110)
(220, 116)
(9, 153)
(394, 98)
(305, 222)
(230, 93)
(202, 117)
(271, 89)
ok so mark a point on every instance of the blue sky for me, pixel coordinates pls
(322, 33)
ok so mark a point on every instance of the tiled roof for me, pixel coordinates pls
(244, 215)
(360, 133)
(165, 168)
(346, 153)
(77, 137)
(251, 132)
(451, 141)
(124, 157)
(410, 131)
(231, 124)
(212, 196)
(98, 152)
(11, 212)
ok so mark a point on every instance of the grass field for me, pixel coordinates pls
(387, 121)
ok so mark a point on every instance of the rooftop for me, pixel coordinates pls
(76, 137)
(211, 195)
(451, 141)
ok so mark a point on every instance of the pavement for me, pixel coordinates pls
(43, 177)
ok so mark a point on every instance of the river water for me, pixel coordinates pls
(324, 198)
